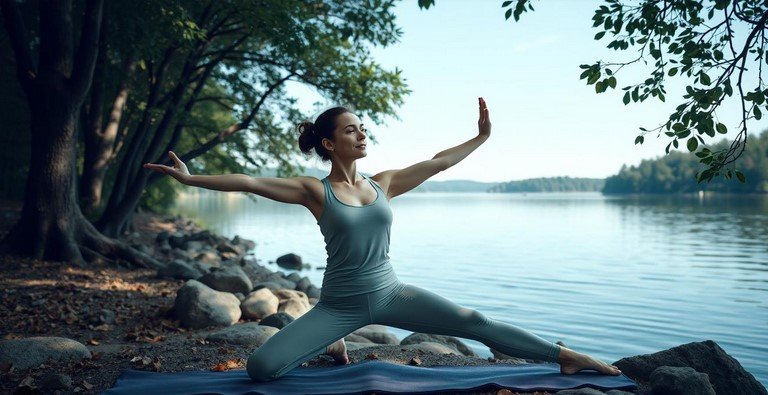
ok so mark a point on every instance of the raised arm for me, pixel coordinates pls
(287, 190)
(400, 181)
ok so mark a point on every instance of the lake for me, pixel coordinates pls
(608, 276)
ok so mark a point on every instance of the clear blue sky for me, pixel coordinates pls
(546, 121)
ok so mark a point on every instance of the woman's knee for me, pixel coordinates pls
(261, 368)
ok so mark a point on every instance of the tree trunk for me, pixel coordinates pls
(51, 226)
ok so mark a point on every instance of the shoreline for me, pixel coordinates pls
(54, 299)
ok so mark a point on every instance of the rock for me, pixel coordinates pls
(437, 348)
(180, 270)
(56, 381)
(245, 334)
(143, 248)
(449, 341)
(295, 277)
(246, 244)
(313, 291)
(725, 373)
(259, 304)
(278, 320)
(356, 339)
(165, 248)
(198, 306)
(507, 358)
(671, 380)
(254, 271)
(226, 247)
(351, 346)
(194, 247)
(32, 351)
(271, 285)
(162, 237)
(182, 254)
(178, 240)
(618, 392)
(284, 283)
(377, 336)
(303, 284)
(284, 294)
(208, 257)
(290, 261)
(295, 307)
(203, 235)
(230, 279)
(580, 391)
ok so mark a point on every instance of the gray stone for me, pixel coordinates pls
(225, 246)
(194, 246)
(436, 348)
(259, 304)
(303, 284)
(246, 244)
(277, 277)
(180, 270)
(352, 346)
(230, 279)
(295, 307)
(278, 320)
(671, 380)
(290, 261)
(32, 351)
(208, 257)
(198, 306)
(244, 334)
(377, 336)
(162, 236)
(271, 285)
(449, 341)
(725, 373)
(56, 381)
(178, 240)
(356, 339)
(312, 291)
(295, 277)
(106, 316)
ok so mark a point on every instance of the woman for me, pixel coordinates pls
(359, 286)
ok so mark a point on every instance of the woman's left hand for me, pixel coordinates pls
(484, 123)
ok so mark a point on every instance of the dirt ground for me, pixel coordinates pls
(42, 298)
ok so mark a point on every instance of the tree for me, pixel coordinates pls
(55, 84)
(201, 78)
(692, 40)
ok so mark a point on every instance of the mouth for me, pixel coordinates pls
(362, 146)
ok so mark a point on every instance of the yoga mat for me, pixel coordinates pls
(368, 376)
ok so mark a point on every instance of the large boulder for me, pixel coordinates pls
(259, 304)
(680, 380)
(229, 279)
(377, 336)
(433, 347)
(245, 334)
(198, 306)
(725, 373)
(245, 244)
(32, 351)
(293, 302)
(449, 341)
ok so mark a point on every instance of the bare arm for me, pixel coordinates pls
(403, 180)
(287, 190)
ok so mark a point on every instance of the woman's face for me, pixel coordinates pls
(351, 136)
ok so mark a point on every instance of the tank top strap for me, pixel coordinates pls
(328, 191)
(372, 182)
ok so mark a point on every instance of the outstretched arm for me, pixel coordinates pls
(287, 190)
(400, 181)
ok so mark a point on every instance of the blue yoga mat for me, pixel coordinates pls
(368, 376)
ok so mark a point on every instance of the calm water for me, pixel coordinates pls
(611, 277)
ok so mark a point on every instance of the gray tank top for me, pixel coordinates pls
(357, 243)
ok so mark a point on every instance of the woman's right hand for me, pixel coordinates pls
(179, 170)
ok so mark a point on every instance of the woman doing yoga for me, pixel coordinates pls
(359, 285)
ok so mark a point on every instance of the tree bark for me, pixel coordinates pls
(51, 225)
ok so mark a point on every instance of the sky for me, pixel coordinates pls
(546, 121)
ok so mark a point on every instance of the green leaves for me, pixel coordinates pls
(692, 144)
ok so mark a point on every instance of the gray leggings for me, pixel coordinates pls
(401, 305)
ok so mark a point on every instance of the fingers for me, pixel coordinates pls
(174, 157)
(483, 108)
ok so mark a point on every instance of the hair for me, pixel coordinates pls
(312, 134)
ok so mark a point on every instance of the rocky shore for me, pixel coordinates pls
(74, 329)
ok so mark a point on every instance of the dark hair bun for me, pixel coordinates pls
(307, 136)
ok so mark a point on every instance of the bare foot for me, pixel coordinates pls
(571, 362)
(338, 350)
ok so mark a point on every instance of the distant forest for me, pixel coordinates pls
(551, 184)
(675, 173)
